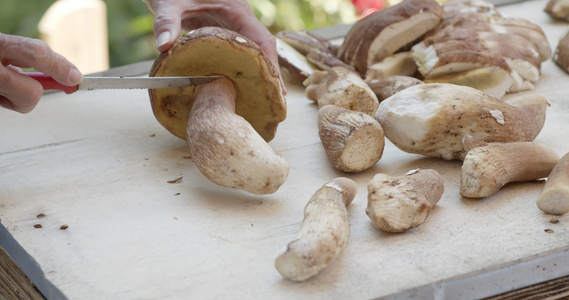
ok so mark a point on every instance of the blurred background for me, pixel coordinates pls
(129, 22)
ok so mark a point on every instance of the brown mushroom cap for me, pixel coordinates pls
(217, 51)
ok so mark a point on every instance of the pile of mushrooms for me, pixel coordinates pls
(474, 45)
(228, 122)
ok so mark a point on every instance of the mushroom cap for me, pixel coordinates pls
(217, 51)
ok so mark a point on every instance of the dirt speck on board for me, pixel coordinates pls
(40, 215)
(38, 226)
(177, 180)
(548, 230)
(554, 221)
(64, 227)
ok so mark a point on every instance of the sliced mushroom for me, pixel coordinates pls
(383, 33)
(397, 204)
(432, 118)
(295, 68)
(388, 86)
(326, 61)
(226, 122)
(306, 41)
(341, 87)
(353, 141)
(398, 64)
(458, 7)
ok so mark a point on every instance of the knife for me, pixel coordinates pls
(92, 83)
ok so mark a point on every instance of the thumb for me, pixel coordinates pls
(167, 23)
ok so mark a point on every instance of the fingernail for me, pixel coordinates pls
(75, 76)
(163, 38)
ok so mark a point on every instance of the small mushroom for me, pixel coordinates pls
(487, 167)
(353, 141)
(554, 198)
(396, 204)
(228, 122)
(389, 86)
(561, 55)
(558, 9)
(431, 118)
(341, 87)
(324, 233)
(383, 33)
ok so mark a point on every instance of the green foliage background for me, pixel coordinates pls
(131, 37)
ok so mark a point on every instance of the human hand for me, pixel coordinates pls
(19, 92)
(174, 15)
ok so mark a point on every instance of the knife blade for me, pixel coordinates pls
(93, 83)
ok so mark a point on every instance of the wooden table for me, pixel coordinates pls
(99, 163)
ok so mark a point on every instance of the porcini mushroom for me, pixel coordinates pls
(383, 33)
(432, 118)
(324, 233)
(554, 198)
(228, 122)
(389, 86)
(487, 167)
(295, 68)
(341, 87)
(561, 55)
(558, 9)
(353, 141)
(396, 204)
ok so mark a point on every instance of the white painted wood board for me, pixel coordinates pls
(100, 163)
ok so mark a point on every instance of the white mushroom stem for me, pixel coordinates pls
(396, 204)
(324, 233)
(489, 166)
(226, 148)
(554, 198)
(353, 141)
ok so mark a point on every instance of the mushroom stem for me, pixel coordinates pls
(353, 141)
(554, 198)
(226, 148)
(324, 233)
(488, 167)
(396, 204)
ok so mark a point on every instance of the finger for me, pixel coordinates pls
(263, 37)
(167, 24)
(17, 91)
(33, 53)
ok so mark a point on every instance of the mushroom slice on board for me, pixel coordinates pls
(226, 122)
(385, 32)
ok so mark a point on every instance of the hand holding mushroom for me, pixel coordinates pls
(226, 122)
(172, 16)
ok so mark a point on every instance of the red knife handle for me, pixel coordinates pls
(49, 83)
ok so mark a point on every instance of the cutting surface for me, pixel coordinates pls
(99, 163)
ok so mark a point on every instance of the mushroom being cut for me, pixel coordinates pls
(228, 122)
